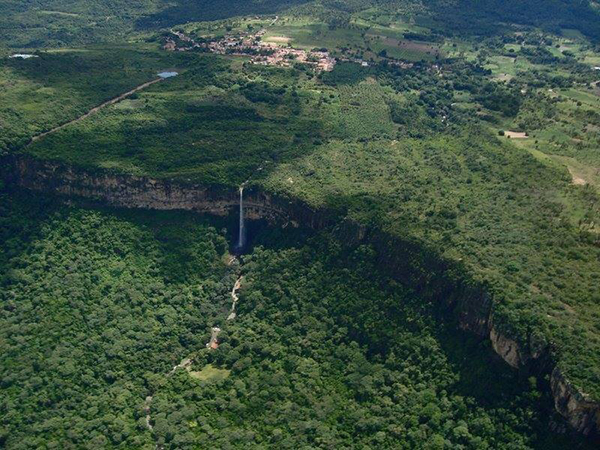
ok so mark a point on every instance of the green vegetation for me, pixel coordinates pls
(467, 130)
(40, 93)
(210, 373)
(212, 124)
(100, 305)
(413, 150)
(59, 23)
(478, 202)
(97, 306)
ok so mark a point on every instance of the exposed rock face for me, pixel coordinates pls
(507, 348)
(129, 191)
(435, 277)
(580, 410)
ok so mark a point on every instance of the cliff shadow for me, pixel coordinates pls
(22, 219)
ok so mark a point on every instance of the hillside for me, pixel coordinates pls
(457, 140)
(52, 23)
(100, 305)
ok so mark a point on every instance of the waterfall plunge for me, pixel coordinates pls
(241, 237)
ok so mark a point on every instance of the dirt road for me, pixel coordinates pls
(96, 109)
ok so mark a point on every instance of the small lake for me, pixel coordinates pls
(168, 74)
(23, 56)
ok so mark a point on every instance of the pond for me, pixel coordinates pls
(167, 74)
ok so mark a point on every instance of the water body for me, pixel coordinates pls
(23, 56)
(168, 74)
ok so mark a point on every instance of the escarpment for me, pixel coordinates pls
(431, 276)
(130, 191)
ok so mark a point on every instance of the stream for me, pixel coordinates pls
(235, 298)
(212, 344)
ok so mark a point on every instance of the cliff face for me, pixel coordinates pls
(129, 191)
(428, 274)
(582, 412)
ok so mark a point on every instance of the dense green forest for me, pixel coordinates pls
(95, 308)
(464, 134)
(99, 306)
(360, 141)
(411, 150)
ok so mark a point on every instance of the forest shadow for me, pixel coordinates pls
(24, 215)
(22, 218)
(184, 11)
(494, 17)
(491, 383)
(481, 375)
(183, 254)
(211, 141)
(94, 71)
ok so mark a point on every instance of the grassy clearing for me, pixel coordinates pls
(578, 95)
(308, 36)
(571, 33)
(210, 373)
(506, 65)
(582, 174)
(369, 39)
(58, 13)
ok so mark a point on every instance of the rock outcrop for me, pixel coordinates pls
(581, 411)
(507, 348)
(436, 278)
(130, 191)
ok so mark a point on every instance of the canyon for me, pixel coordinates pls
(468, 303)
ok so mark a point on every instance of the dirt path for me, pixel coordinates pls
(96, 109)
(234, 298)
(184, 364)
(147, 411)
(211, 345)
(576, 179)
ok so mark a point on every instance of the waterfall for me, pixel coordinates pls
(242, 230)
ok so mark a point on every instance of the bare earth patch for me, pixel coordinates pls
(516, 135)
(581, 173)
(504, 77)
(278, 39)
(576, 180)
(59, 13)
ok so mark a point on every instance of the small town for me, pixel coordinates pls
(252, 45)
